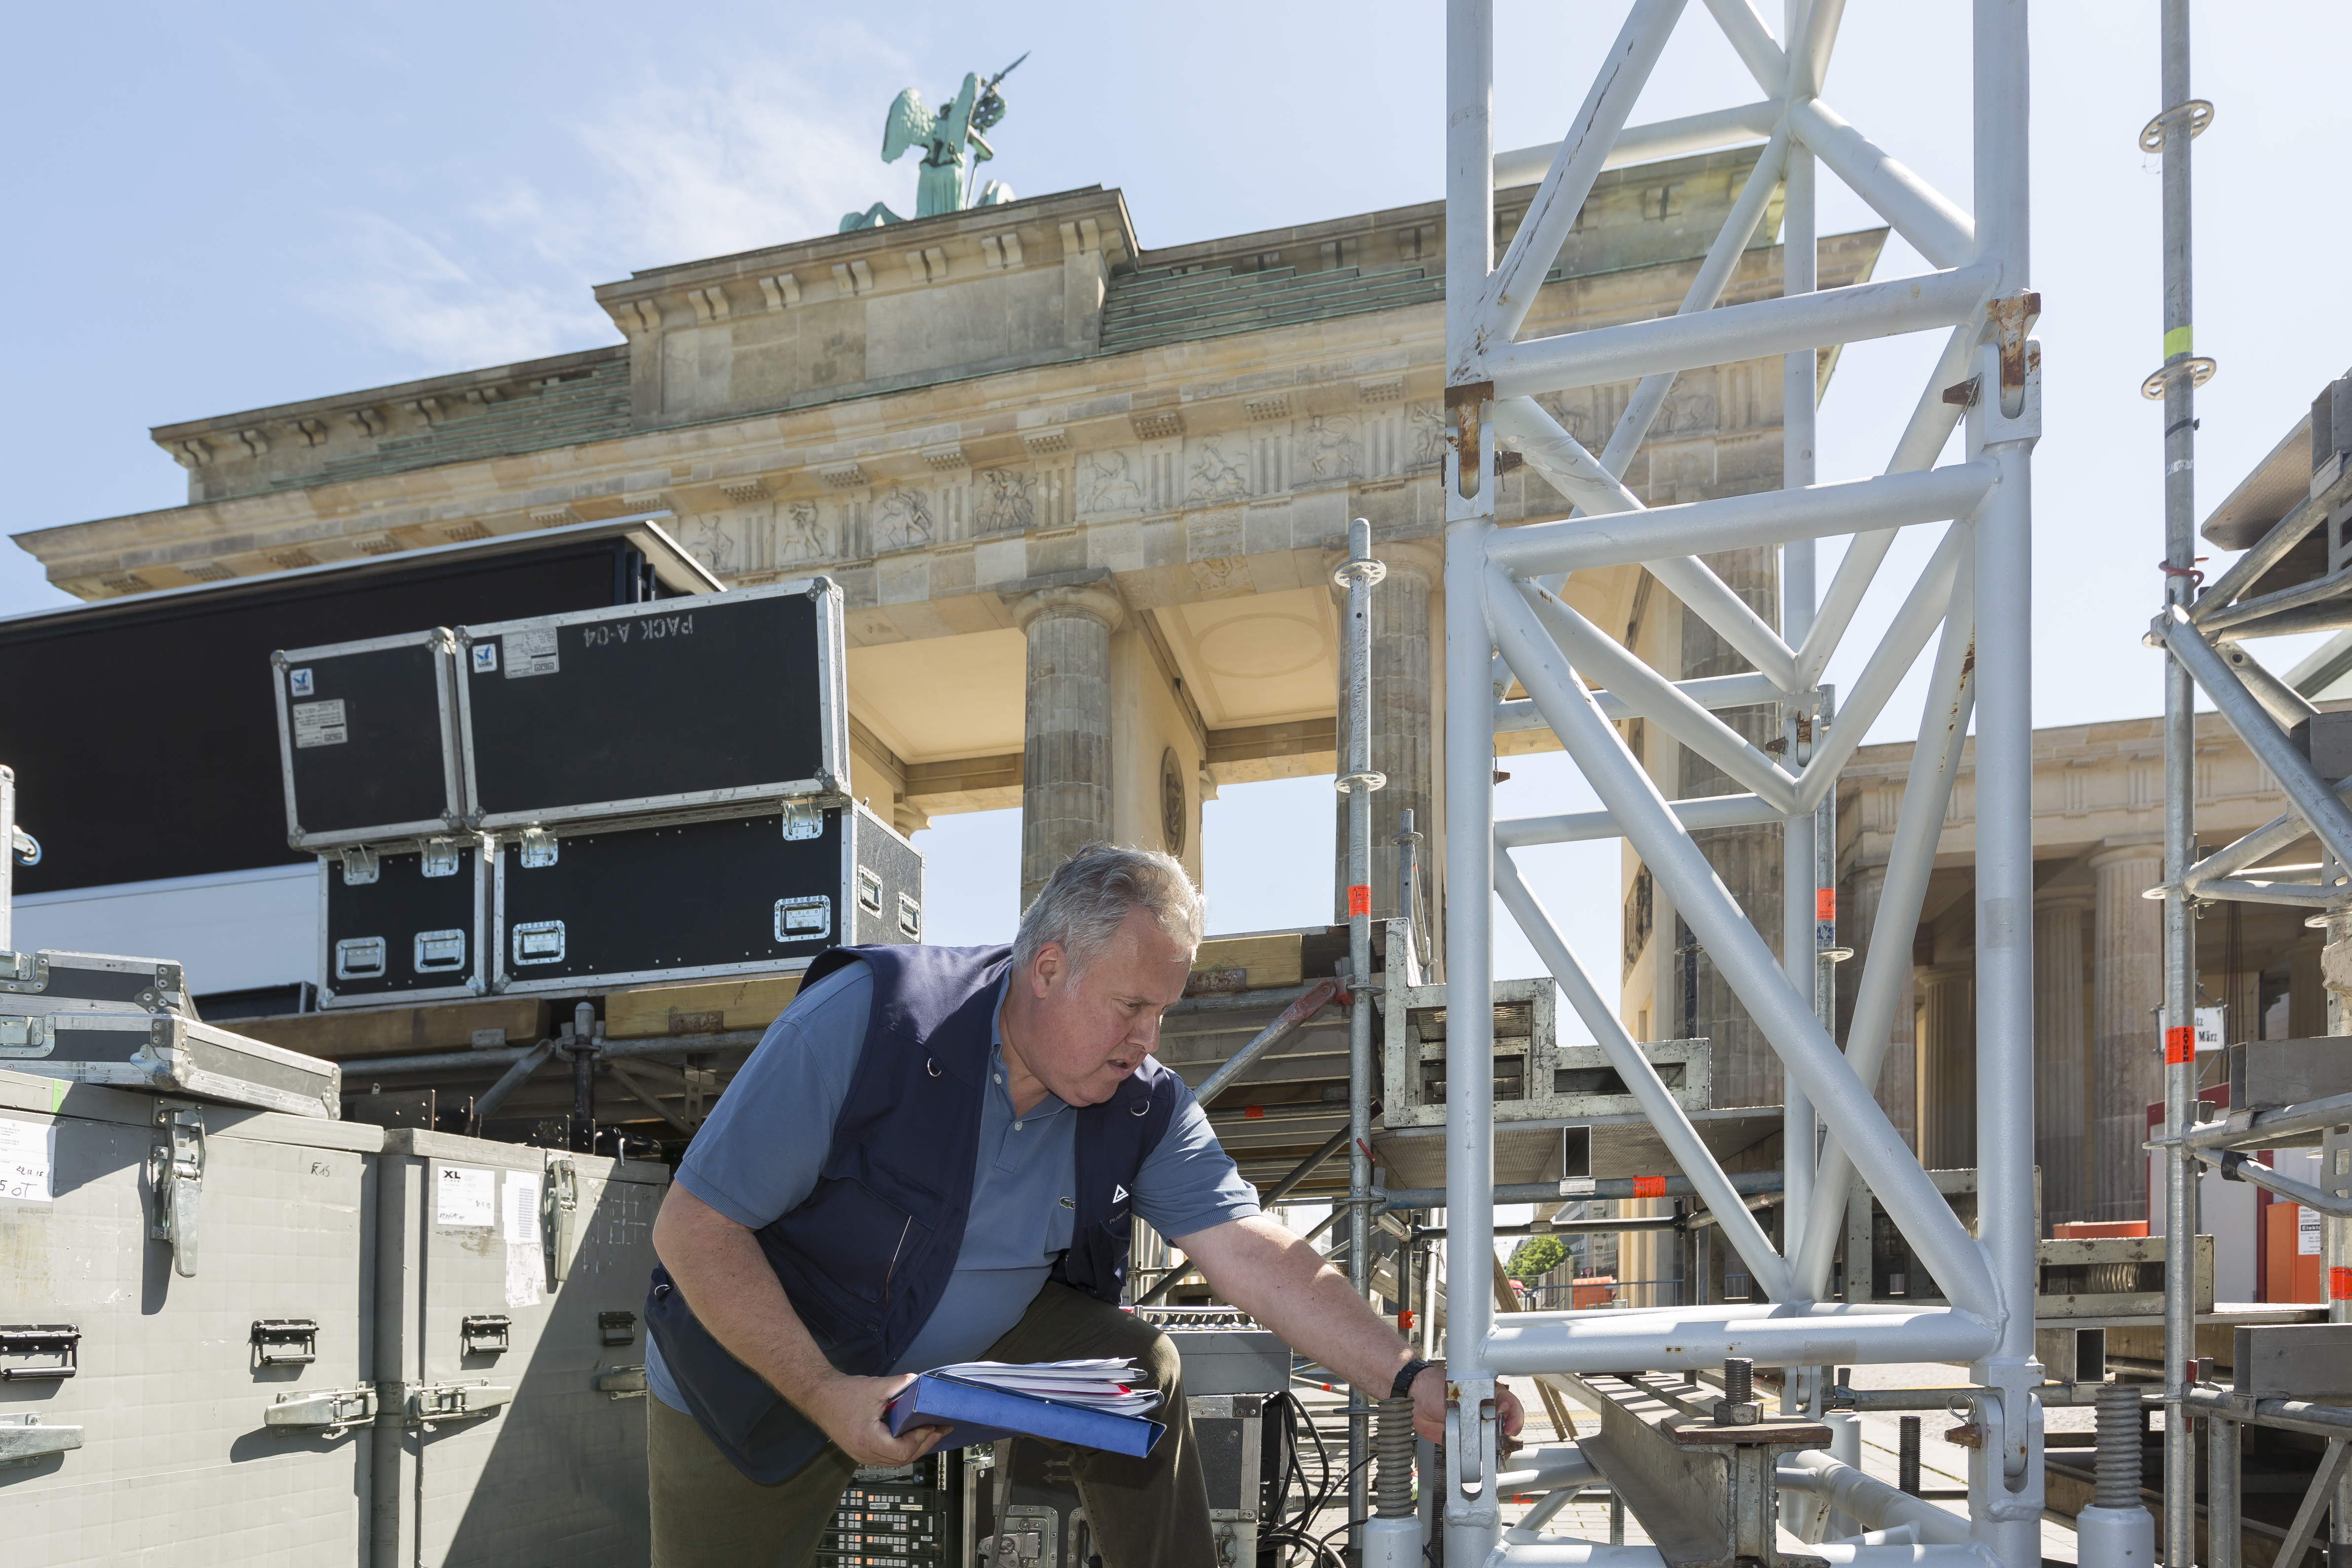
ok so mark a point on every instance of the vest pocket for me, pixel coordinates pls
(858, 1239)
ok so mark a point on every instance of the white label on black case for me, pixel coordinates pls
(532, 652)
(486, 658)
(318, 724)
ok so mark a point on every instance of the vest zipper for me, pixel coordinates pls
(891, 1273)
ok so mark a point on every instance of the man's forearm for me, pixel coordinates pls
(1293, 1290)
(726, 1279)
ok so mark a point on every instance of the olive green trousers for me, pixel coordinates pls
(1144, 1513)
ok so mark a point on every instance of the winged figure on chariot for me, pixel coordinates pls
(954, 146)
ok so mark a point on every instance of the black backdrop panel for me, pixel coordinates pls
(638, 900)
(144, 738)
(387, 768)
(722, 692)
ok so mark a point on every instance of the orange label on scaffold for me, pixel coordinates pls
(1359, 900)
(1824, 903)
(1649, 1186)
(2180, 1047)
(2339, 1284)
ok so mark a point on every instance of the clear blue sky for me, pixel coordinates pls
(223, 208)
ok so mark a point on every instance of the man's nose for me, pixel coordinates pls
(1146, 1033)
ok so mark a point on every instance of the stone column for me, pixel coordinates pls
(1403, 745)
(1746, 1072)
(1898, 1087)
(1948, 1066)
(2062, 1081)
(2127, 985)
(1065, 759)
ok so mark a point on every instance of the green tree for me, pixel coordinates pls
(1536, 1257)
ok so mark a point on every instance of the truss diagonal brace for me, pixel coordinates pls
(1785, 1018)
(1593, 486)
(1506, 294)
(1914, 624)
(1910, 863)
(2260, 845)
(1655, 697)
(1941, 231)
(2305, 790)
(1754, 43)
(1766, 1266)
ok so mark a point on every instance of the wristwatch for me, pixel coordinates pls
(1402, 1387)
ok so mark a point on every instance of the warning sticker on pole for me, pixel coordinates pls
(27, 1157)
(318, 724)
(1824, 904)
(2306, 1231)
(465, 1197)
(1359, 900)
(532, 652)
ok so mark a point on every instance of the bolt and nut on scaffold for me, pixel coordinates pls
(1706, 1486)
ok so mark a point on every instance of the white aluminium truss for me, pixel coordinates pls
(1504, 618)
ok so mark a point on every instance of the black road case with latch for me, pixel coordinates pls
(367, 739)
(405, 921)
(689, 897)
(737, 697)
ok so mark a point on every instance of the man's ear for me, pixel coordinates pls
(1050, 966)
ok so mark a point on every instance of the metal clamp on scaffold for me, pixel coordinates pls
(2196, 112)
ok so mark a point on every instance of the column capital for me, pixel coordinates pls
(2116, 851)
(2064, 899)
(1096, 601)
(1945, 973)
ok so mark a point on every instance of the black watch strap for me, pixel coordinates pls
(1402, 1387)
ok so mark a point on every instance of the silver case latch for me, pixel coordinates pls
(175, 1171)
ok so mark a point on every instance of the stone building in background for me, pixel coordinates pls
(1084, 496)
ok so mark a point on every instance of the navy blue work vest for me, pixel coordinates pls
(866, 1257)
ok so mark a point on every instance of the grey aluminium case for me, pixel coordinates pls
(655, 723)
(375, 789)
(510, 1350)
(221, 1408)
(163, 1052)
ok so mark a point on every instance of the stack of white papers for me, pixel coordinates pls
(1106, 1385)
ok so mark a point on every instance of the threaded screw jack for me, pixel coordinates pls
(1907, 1455)
(2116, 1460)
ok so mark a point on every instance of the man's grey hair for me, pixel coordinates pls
(1090, 895)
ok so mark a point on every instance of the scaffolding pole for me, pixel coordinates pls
(2180, 1536)
(1358, 575)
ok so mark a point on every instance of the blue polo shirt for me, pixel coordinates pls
(758, 1157)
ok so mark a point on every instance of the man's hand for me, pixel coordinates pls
(851, 1410)
(1429, 1404)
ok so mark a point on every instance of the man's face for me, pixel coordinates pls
(1090, 1030)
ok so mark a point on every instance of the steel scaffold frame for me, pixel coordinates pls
(2200, 635)
(1505, 618)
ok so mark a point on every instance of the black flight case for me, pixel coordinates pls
(367, 739)
(724, 700)
(693, 895)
